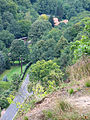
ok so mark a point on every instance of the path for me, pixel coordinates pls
(20, 97)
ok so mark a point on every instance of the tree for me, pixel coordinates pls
(14, 28)
(6, 37)
(19, 50)
(45, 70)
(38, 28)
(54, 33)
(16, 81)
(61, 44)
(72, 32)
(43, 50)
(45, 6)
(2, 45)
(59, 10)
(2, 62)
(7, 19)
(24, 27)
(8, 6)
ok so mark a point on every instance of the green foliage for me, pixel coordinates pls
(8, 6)
(71, 91)
(4, 85)
(51, 86)
(45, 70)
(10, 99)
(16, 81)
(3, 103)
(6, 37)
(72, 32)
(38, 91)
(24, 27)
(2, 45)
(38, 28)
(43, 17)
(54, 33)
(45, 6)
(82, 43)
(25, 118)
(61, 44)
(43, 50)
(19, 49)
(87, 83)
(2, 62)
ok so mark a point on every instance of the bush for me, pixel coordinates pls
(44, 71)
(16, 81)
(25, 118)
(3, 103)
(87, 84)
(71, 91)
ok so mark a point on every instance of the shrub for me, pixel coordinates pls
(71, 91)
(87, 84)
(25, 118)
(44, 71)
(3, 103)
(16, 81)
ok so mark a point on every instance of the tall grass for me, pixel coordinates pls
(63, 111)
(80, 70)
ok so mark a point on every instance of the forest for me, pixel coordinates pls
(32, 42)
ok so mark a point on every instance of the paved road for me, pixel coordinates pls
(20, 97)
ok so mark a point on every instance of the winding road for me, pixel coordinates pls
(20, 98)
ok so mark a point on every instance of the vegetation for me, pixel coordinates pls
(56, 53)
(63, 110)
(87, 84)
(44, 71)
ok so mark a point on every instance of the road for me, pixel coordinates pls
(20, 97)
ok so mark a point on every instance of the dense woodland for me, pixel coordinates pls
(49, 48)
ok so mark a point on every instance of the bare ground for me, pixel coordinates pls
(80, 100)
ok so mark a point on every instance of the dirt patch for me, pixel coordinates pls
(82, 104)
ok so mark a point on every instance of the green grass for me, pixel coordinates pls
(9, 73)
(5, 85)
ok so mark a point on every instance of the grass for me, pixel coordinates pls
(5, 85)
(63, 111)
(13, 70)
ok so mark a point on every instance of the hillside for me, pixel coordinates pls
(72, 97)
(48, 41)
